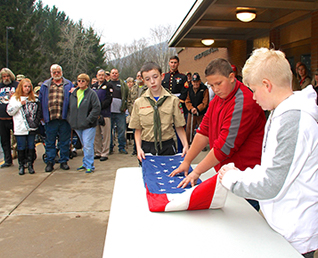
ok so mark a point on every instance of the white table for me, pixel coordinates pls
(236, 230)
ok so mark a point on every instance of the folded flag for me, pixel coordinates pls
(163, 194)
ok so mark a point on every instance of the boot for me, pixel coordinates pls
(31, 157)
(21, 156)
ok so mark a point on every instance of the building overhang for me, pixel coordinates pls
(216, 19)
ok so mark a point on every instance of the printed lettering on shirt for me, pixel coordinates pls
(145, 107)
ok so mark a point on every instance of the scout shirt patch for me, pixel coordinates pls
(104, 87)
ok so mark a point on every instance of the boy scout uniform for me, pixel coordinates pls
(143, 116)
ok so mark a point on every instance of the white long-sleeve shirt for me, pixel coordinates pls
(286, 182)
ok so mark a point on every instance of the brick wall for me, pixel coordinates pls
(314, 41)
(274, 39)
(238, 54)
(196, 59)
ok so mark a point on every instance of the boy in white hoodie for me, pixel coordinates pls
(286, 182)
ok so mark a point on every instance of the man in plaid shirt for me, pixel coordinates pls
(54, 97)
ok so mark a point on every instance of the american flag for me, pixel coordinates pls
(163, 194)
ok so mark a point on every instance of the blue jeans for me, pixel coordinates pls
(25, 141)
(61, 129)
(118, 119)
(87, 137)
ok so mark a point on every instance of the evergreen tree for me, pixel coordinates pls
(23, 57)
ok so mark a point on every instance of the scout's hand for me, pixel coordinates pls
(185, 150)
(191, 178)
(194, 111)
(184, 167)
(140, 155)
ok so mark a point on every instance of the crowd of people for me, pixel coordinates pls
(270, 162)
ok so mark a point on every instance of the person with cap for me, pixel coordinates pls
(8, 85)
(197, 103)
(238, 77)
(189, 78)
(107, 76)
(20, 77)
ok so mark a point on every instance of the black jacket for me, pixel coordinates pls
(5, 93)
(105, 95)
(197, 98)
(85, 116)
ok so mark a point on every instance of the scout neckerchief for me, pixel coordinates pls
(156, 120)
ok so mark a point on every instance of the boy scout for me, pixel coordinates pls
(154, 115)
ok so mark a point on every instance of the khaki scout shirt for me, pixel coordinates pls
(170, 114)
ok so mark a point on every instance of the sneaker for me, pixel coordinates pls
(88, 171)
(96, 157)
(123, 151)
(103, 158)
(5, 165)
(134, 153)
(81, 168)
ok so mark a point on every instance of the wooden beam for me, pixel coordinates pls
(271, 4)
(232, 24)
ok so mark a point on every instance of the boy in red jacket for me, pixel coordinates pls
(233, 126)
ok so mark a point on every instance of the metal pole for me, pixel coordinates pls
(7, 45)
(7, 52)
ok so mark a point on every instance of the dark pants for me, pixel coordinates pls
(5, 127)
(309, 255)
(25, 141)
(168, 148)
(61, 129)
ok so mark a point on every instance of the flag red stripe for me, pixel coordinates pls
(156, 202)
(202, 195)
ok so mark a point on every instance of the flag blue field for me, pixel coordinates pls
(163, 194)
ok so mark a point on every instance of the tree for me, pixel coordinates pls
(23, 55)
(81, 50)
(128, 59)
(160, 37)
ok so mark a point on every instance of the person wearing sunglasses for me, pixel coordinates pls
(84, 110)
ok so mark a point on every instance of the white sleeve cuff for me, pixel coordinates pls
(230, 178)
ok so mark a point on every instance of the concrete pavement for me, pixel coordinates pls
(58, 214)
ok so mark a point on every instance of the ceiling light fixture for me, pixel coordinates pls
(245, 15)
(207, 42)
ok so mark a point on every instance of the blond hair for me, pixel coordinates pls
(267, 64)
(84, 76)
